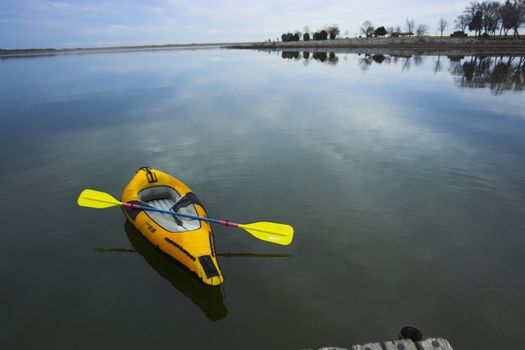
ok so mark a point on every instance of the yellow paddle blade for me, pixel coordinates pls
(96, 199)
(271, 232)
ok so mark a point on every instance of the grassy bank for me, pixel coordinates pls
(482, 45)
(430, 45)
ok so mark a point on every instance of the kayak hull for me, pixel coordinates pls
(190, 242)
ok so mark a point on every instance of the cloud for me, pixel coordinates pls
(52, 23)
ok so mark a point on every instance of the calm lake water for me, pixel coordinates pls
(404, 178)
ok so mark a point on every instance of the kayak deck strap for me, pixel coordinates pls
(212, 247)
(180, 248)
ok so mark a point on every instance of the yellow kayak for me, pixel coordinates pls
(188, 241)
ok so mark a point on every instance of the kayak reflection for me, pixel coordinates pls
(208, 298)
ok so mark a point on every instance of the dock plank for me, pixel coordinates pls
(369, 346)
(434, 344)
(402, 344)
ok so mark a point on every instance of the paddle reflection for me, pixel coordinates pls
(114, 250)
(208, 298)
(253, 255)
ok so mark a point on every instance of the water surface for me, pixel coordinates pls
(402, 175)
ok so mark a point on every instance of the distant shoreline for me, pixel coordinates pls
(430, 45)
(7, 53)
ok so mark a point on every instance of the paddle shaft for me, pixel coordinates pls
(266, 231)
(215, 221)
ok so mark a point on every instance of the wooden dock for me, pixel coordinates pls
(407, 344)
(402, 344)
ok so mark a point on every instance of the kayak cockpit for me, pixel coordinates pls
(167, 198)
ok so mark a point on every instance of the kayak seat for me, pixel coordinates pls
(188, 199)
(165, 198)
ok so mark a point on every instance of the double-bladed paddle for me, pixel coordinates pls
(266, 231)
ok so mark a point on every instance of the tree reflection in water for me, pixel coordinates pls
(290, 54)
(321, 56)
(498, 73)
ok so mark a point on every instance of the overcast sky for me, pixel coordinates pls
(87, 23)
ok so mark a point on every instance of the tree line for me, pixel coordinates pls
(490, 16)
(322, 34)
(484, 18)
(369, 30)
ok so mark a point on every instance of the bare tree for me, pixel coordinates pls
(471, 9)
(483, 16)
(491, 16)
(506, 12)
(519, 15)
(333, 31)
(469, 18)
(410, 25)
(367, 29)
(462, 22)
(476, 24)
(442, 25)
(422, 30)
